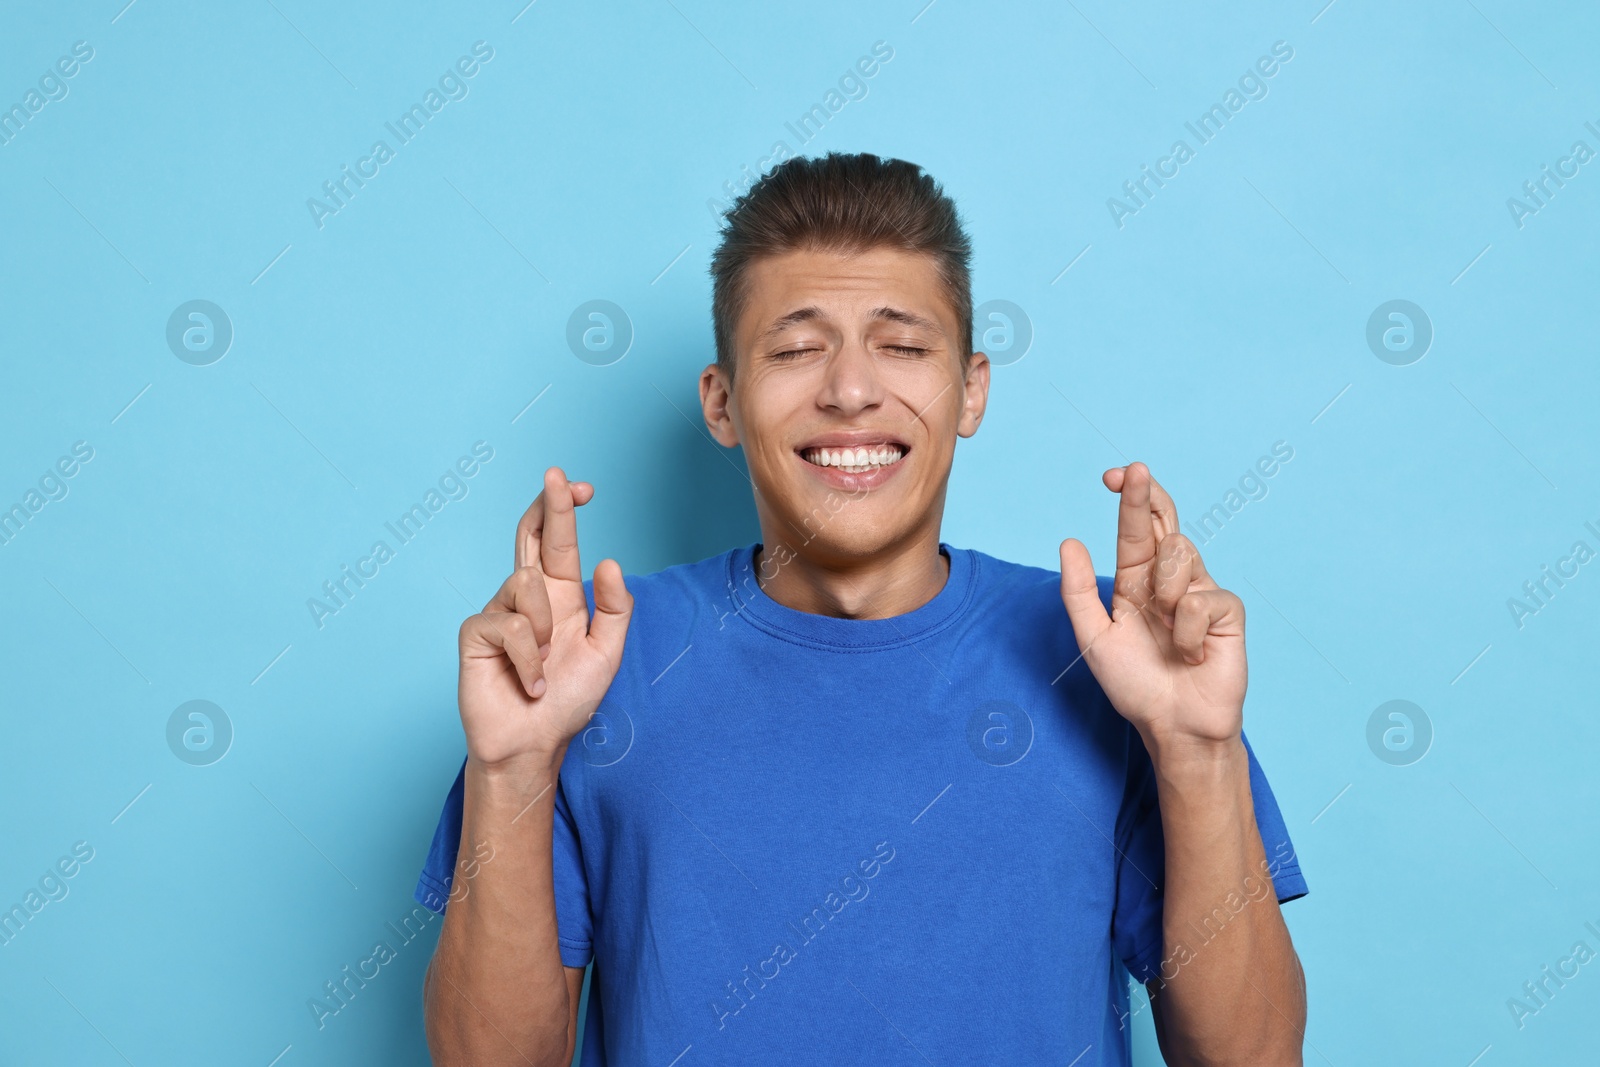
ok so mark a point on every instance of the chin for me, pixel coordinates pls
(849, 537)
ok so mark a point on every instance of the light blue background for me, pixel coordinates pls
(368, 355)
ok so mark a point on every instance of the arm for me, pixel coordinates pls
(1230, 989)
(1170, 658)
(496, 991)
(534, 667)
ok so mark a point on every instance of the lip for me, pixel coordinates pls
(851, 483)
(853, 439)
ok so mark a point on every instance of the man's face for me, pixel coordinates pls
(848, 399)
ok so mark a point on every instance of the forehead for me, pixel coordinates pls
(844, 286)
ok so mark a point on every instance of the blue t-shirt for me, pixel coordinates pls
(794, 838)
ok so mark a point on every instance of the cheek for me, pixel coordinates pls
(763, 438)
(766, 413)
(936, 408)
(763, 456)
(921, 384)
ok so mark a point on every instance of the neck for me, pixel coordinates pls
(894, 581)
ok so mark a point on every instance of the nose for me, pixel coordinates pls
(851, 381)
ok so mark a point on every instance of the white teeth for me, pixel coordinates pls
(855, 460)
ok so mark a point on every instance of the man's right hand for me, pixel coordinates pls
(534, 666)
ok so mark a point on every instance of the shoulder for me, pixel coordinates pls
(1026, 587)
(1020, 605)
(675, 599)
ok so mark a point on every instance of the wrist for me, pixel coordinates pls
(524, 772)
(1204, 785)
(1176, 753)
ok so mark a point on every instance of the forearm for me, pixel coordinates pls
(1230, 986)
(496, 991)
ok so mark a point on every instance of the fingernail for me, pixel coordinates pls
(538, 689)
(544, 651)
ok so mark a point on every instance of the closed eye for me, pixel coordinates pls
(908, 350)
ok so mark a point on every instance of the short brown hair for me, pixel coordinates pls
(839, 203)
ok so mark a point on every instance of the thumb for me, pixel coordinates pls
(613, 608)
(1081, 594)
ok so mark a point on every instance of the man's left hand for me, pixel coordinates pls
(1170, 656)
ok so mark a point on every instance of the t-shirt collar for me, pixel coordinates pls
(751, 602)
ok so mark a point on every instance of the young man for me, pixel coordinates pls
(850, 794)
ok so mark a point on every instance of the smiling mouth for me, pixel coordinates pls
(855, 460)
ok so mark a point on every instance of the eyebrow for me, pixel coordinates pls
(890, 314)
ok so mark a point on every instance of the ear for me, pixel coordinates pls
(977, 395)
(716, 404)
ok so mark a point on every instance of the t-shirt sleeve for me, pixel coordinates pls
(433, 886)
(574, 925)
(1141, 863)
(574, 922)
